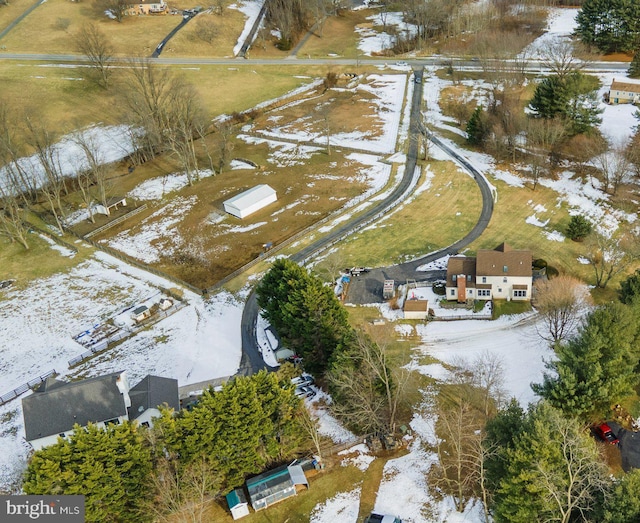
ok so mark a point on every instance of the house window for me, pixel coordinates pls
(61, 434)
(454, 278)
(114, 421)
(145, 424)
(504, 280)
(484, 293)
(520, 294)
(468, 277)
(453, 292)
(505, 268)
(484, 279)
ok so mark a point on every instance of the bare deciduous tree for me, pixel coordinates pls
(224, 135)
(117, 8)
(53, 183)
(610, 256)
(573, 488)
(11, 224)
(371, 392)
(18, 181)
(560, 58)
(94, 175)
(614, 165)
(182, 495)
(459, 431)
(205, 29)
(560, 302)
(95, 45)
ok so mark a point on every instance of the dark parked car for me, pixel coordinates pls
(604, 432)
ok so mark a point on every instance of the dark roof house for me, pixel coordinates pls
(151, 393)
(56, 406)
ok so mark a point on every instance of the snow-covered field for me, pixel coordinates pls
(388, 95)
(37, 325)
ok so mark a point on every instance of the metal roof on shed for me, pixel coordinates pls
(251, 196)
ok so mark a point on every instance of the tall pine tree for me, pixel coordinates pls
(609, 25)
(597, 369)
(634, 67)
(110, 466)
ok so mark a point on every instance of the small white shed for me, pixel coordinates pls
(250, 201)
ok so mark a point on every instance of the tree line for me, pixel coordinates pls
(542, 463)
(164, 114)
(366, 389)
(186, 460)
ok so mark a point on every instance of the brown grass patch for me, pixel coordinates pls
(40, 31)
(337, 37)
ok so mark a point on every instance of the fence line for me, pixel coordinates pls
(19, 391)
(115, 222)
(473, 316)
(124, 334)
(54, 237)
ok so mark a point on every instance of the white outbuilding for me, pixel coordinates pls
(250, 201)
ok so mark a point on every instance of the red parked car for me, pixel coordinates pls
(604, 432)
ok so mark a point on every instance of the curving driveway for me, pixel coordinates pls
(252, 361)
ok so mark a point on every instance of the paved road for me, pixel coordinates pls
(629, 446)
(20, 18)
(251, 360)
(467, 65)
(160, 47)
(252, 34)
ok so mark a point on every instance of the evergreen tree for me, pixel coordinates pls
(634, 68)
(252, 422)
(500, 434)
(477, 127)
(305, 313)
(579, 228)
(610, 25)
(598, 368)
(554, 471)
(110, 466)
(571, 97)
(630, 288)
(623, 503)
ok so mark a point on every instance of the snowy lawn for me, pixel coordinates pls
(37, 325)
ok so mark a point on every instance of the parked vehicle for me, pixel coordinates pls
(604, 432)
(305, 379)
(378, 518)
(357, 271)
(304, 391)
(402, 64)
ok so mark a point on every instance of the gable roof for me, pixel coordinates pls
(268, 483)
(625, 85)
(415, 305)
(152, 392)
(251, 196)
(56, 407)
(460, 265)
(493, 262)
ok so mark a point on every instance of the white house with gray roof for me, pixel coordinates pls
(56, 406)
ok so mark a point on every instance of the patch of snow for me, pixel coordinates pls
(251, 9)
(341, 508)
(158, 187)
